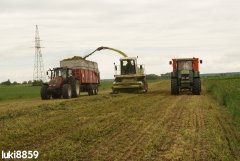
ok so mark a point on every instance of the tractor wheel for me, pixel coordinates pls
(196, 89)
(91, 90)
(174, 87)
(56, 95)
(44, 92)
(67, 91)
(75, 88)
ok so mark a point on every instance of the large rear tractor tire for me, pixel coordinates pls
(196, 89)
(174, 86)
(67, 91)
(75, 88)
(91, 90)
(44, 92)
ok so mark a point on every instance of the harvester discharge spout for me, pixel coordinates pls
(102, 47)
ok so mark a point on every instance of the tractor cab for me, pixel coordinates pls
(63, 72)
(58, 76)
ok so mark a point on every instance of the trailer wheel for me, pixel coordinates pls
(67, 91)
(91, 90)
(44, 92)
(196, 89)
(174, 87)
(95, 90)
(75, 88)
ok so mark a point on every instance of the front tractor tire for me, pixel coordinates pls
(44, 92)
(174, 87)
(75, 88)
(196, 89)
(67, 91)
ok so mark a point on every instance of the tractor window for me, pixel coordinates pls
(64, 73)
(128, 67)
(57, 73)
(185, 65)
(60, 73)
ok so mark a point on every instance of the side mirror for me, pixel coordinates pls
(201, 61)
(141, 67)
(115, 67)
(170, 62)
(47, 73)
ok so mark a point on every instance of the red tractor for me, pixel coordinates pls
(62, 84)
(185, 75)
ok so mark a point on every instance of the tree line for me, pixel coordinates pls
(34, 83)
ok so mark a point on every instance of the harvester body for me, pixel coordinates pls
(130, 76)
(185, 75)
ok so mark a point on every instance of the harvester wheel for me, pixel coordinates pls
(145, 87)
(196, 86)
(174, 87)
(44, 92)
(67, 91)
(75, 88)
(91, 90)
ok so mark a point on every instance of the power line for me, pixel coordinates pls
(38, 72)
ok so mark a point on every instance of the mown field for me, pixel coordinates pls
(151, 126)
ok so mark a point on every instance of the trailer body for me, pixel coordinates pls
(85, 71)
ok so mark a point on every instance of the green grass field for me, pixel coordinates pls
(227, 91)
(18, 92)
(28, 91)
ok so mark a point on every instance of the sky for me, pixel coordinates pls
(154, 30)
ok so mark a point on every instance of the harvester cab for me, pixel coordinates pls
(185, 75)
(130, 76)
(62, 84)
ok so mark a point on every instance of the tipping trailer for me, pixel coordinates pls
(74, 75)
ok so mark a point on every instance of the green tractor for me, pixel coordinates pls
(185, 75)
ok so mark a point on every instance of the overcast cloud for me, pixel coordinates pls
(154, 30)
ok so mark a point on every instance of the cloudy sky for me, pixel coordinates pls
(154, 30)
